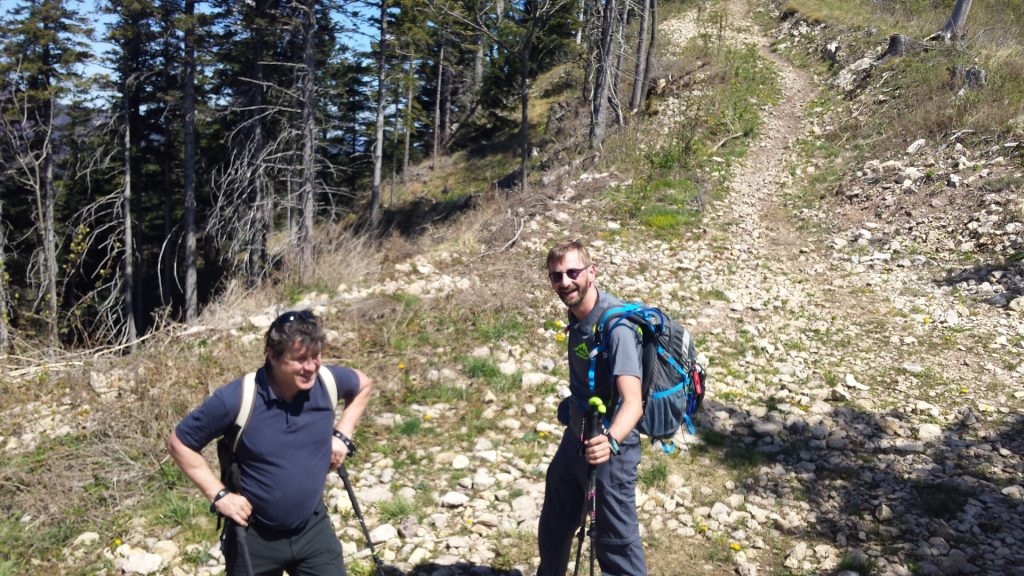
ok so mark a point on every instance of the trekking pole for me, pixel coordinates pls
(243, 547)
(593, 428)
(343, 473)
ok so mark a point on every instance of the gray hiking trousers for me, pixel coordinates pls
(616, 535)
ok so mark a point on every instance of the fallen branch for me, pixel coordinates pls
(43, 368)
(726, 139)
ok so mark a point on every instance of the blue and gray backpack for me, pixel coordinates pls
(673, 380)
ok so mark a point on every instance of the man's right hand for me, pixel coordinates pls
(235, 507)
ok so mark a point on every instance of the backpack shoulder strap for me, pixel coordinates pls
(245, 410)
(327, 377)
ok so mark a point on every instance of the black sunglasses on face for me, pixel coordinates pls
(572, 273)
(289, 317)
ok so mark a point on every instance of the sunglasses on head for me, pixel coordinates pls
(289, 317)
(572, 273)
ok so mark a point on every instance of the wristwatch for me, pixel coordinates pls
(213, 503)
(616, 450)
(346, 441)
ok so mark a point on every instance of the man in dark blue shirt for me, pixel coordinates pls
(614, 452)
(289, 444)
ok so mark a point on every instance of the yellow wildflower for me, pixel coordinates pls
(735, 546)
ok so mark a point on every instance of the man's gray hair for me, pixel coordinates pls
(296, 326)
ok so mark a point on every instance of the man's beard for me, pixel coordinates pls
(575, 298)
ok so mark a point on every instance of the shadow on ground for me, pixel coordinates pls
(892, 495)
(456, 569)
(414, 218)
(1006, 276)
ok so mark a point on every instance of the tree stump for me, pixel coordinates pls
(970, 78)
(897, 47)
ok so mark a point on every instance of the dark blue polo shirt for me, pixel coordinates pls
(285, 452)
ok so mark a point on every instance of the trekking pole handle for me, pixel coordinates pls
(597, 410)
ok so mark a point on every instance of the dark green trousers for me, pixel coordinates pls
(312, 550)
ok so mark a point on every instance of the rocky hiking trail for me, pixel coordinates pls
(863, 417)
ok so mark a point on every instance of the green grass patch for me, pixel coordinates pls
(500, 327)
(396, 509)
(434, 392)
(410, 426)
(653, 473)
(486, 371)
(858, 562)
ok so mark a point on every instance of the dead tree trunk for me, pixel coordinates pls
(437, 106)
(620, 54)
(641, 59)
(602, 76)
(524, 98)
(590, 48)
(396, 129)
(446, 107)
(49, 234)
(305, 232)
(408, 123)
(128, 301)
(378, 147)
(189, 111)
(4, 328)
(956, 27)
(645, 85)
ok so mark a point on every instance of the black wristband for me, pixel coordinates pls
(346, 441)
(613, 444)
(213, 503)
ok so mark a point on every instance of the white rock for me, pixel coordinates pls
(383, 533)
(917, 145)
(524, 507)
(533, 379)
(166, 549)
(418, 556)
(86, 539)
(851, 382)
(460, 462)
(454, 500)
(883, 513)
(135, 561)
(837, 394)
(510, 424)
(929, 432)
(1015, 492)
(261, 321)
